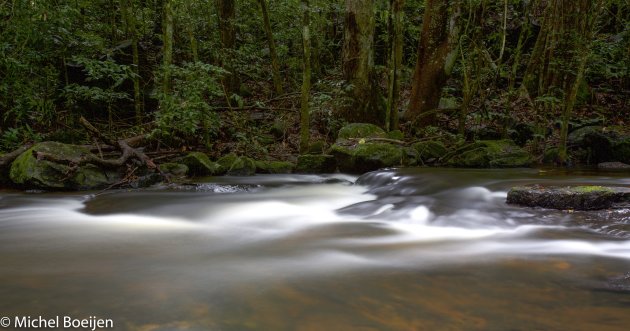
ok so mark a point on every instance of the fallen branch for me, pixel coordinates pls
(6, 159)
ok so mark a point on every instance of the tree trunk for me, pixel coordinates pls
(168, 45)
(306, 79)
(435, 53)
(395, 62)
(227, 15)
(275, 67)
(130, 23)
(358, 62)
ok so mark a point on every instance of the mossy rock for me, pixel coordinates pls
(29, 172)
(489, 154)
(274, 167)
(429, 151)
(360, 130)
(621, 151)
(279, 128)
(550, 155)
(317, 147)
(313, 164)
(200, 165)
(396, 134)
(343, 151)
(576, 197)
(373, 156)
(174, 169)
(233, 165)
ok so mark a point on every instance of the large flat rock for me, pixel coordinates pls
(570, 197)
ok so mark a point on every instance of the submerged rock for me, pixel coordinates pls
(32, 172)
(576, 197)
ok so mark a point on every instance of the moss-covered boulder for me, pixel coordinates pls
(343, 151)
(174, 169)
(200, 165)
(274, 167)
(233, 165)
(360, 130)
(429, 151)
(30, 172)
(359, 157)
(576, 197)
(373, 156)
(489, 154)
(317, 147)
(313, 164)
(596, 144)
(395, 134)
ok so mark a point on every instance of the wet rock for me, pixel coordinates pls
(576, 197)
(597, 144)
(233, 165)
(363, 157)
(360, 130)
(429, 151)
(30, 172)
(613, 165)
(174, 169)
(489, 154)
(200, 165)
(312, 164)
(274, 167)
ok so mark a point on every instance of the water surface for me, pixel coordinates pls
(412, 249)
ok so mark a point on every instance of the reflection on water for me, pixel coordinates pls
(414, 249)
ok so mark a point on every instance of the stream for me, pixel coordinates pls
(396, 249)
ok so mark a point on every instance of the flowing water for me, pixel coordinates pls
(412, 249)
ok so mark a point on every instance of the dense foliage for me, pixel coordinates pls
(201, 73)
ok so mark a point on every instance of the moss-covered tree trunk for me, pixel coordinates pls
(275, 66)
(437, 41)
(395, 63)
(167, 47)
(126, 7)
(358, 63)
(227, 32)
(306, 78)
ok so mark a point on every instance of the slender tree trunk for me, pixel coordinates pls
(227, 31)
(275, 66)
(168, 45)
(358, 62)
(306, 78)
(434, 62)
(126, 7)
(395, 62)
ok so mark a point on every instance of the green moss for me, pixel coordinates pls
(372, 156)
(360, 130)
(175, 169)
(274, 167)
(233, 165)
(429, 150)
(396, 134)
(28, 171)
(315, 164)
(591, 188)
(200, 165)
(490, 153)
